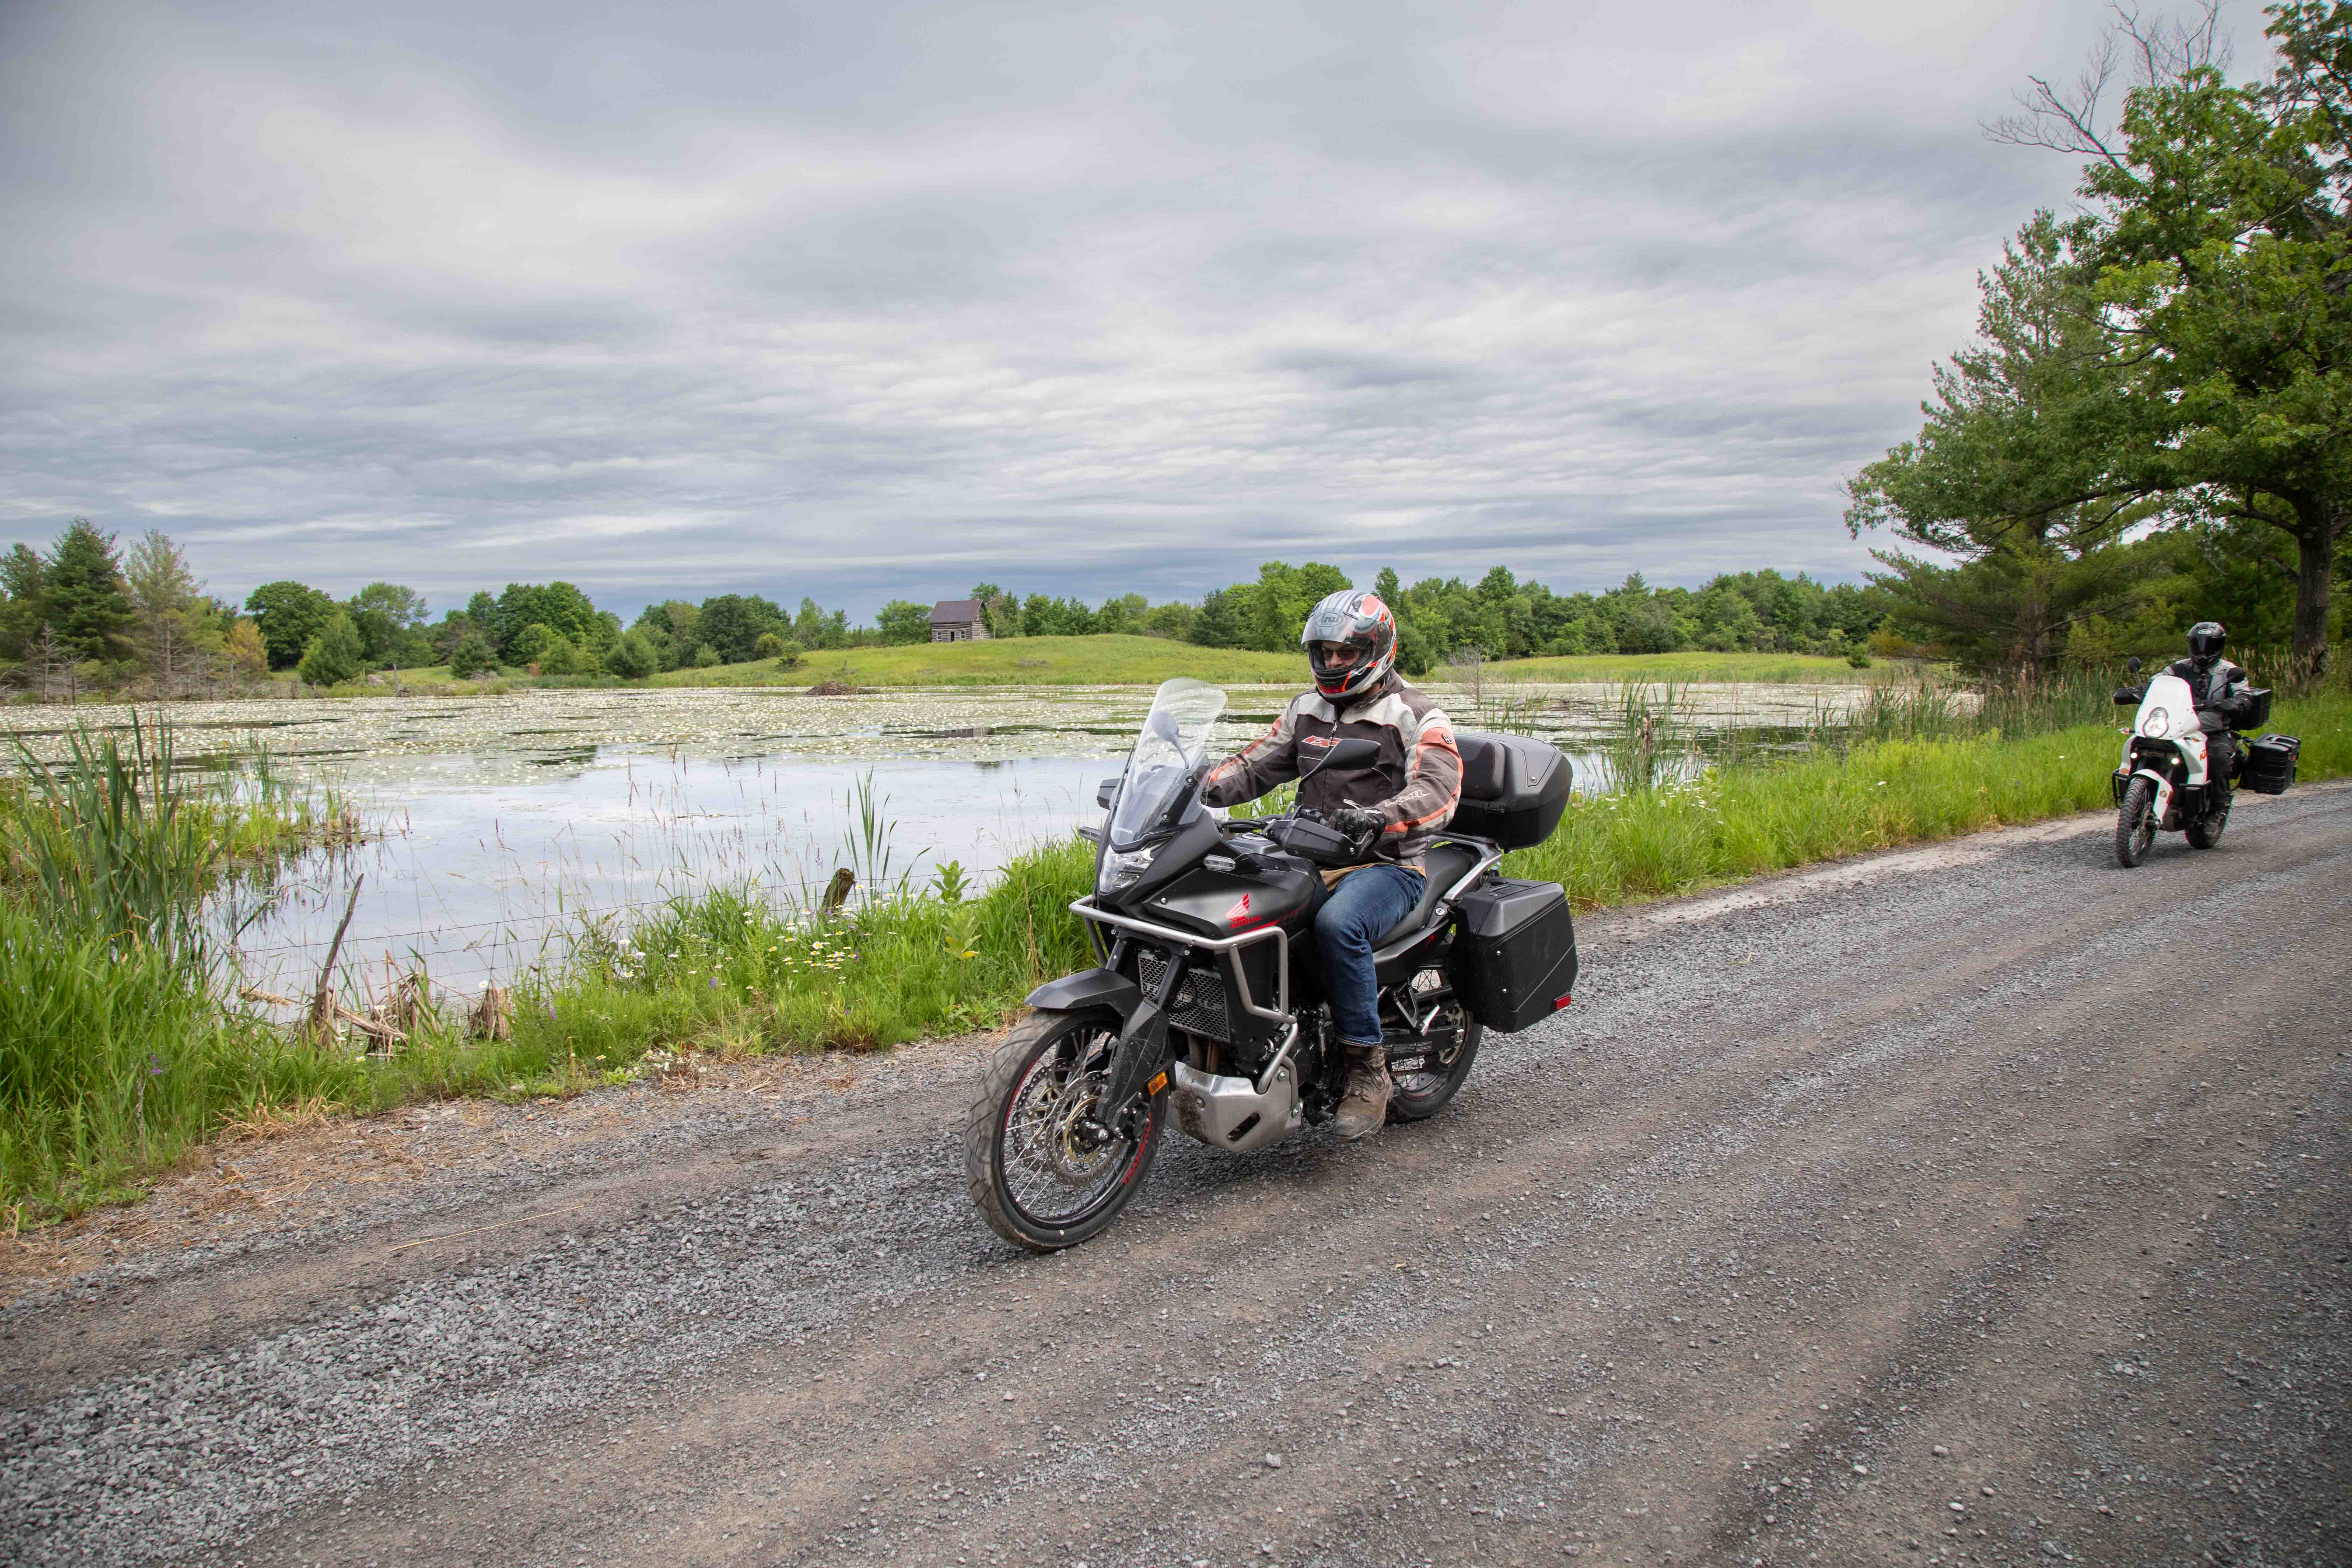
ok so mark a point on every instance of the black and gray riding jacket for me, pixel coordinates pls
(2218, 690)
(1413, 786)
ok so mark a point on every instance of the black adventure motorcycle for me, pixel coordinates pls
(1209, 998)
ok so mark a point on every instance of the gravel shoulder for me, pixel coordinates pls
(1959, 1204)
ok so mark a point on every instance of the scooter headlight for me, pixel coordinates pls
(1121, 868)
(2157, 723)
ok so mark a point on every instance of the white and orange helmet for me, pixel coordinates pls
(1357, 619)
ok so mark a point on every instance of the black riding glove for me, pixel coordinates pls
(1361, 826)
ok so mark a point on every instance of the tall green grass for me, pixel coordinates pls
(1738, 822)
(116, 1058)
(116, 1048)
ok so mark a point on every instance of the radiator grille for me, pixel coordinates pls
(1199, 1003)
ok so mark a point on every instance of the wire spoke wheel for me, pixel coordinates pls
(1042, 1170)
(2135, 823)
(1426, 1068)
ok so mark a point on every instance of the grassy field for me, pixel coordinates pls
(116, 1056)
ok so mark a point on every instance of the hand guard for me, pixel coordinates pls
(1361, 826)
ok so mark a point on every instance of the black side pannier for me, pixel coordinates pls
(1514, 788)
(1514, 956)
(2270, 763)
(2254, 709)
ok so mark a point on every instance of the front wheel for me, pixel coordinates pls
(2135, 823)
(1041, 1172)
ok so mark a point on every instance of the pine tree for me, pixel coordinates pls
(83, 594)
(245, 652)
(472, 657)
(335, 655)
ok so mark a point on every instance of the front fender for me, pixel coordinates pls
(2163, 802)
(1089, 988)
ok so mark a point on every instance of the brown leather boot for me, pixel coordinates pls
(1364, 1109)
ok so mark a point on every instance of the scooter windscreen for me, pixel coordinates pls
(1168, 750)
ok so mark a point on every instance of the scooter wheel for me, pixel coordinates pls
(2135, 823)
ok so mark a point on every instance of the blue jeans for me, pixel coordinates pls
(1349, 919)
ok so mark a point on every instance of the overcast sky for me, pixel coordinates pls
(865, 300)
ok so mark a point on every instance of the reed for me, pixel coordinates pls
(116, 1048)
(119, 839)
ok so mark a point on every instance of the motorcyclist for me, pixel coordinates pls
(2219, 688)
(1393, 807)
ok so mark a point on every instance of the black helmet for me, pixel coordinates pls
(2205, 640)
(1359, 622)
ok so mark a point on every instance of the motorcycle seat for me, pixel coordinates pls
(1444, 864)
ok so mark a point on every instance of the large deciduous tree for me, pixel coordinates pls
(2229, 255)
(178, 635)
(288, 614)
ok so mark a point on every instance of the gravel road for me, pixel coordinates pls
(1980, 1204)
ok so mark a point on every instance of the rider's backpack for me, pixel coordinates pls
(2270, 763)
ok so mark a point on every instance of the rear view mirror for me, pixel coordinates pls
(2132, 664)
(1104, 792)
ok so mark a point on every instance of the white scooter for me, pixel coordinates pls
(2162, 782)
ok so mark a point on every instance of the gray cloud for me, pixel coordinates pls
(868, 302)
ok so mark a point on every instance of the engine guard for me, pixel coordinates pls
(1229, 1113)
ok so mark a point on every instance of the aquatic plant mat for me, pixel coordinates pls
(116, 1056)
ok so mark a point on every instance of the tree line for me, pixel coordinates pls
(2154, 425)
(88, 614)
(1499, 617)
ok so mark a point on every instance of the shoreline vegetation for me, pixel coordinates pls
(123, 1045)
(1098, 660)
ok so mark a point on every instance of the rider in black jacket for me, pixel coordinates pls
(2218, 687)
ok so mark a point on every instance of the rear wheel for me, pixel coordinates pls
(1039, 1172)
(2136, 822)
(1426, 1069)
(2206, 831)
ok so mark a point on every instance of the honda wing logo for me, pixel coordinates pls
(1239, 912)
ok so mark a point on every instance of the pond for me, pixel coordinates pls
(500, 823)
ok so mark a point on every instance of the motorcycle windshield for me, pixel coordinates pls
(1169, 749)
(2168, 710)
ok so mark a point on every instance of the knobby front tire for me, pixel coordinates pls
(1030, 1173)
(2135, 823)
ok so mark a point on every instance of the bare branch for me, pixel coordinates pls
(2070, 120)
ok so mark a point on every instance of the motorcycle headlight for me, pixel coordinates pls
(1121, 868)
(2157, 722)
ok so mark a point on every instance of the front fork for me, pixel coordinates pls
(1138, 1062)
